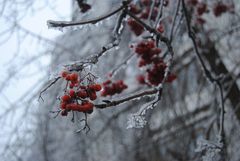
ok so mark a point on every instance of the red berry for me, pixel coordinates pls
(74, 77)
(82, 94)
(107, 82)
(63, 105)
(87, 107)
(219, 9)
(64, 74)
(72, 106)
(91, 87)
(97, 87)
(141, 79)
(114, 88)
(142, 62)
(66, 98)
(68, 77)
(92, 96)
(201, 8)
(83, 87)
(135, 27)
(72, 93)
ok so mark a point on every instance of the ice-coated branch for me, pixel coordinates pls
(174, 20)
(159, 14)
(208, 75)
(154, 31)
(125, 62)
(132, 97)
(162, 38)
(47, 87)
(53, 24)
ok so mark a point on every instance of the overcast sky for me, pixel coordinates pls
(36, 23)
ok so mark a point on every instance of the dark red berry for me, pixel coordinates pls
(97, 87)
(66, 98)
(135, 27)
(82, 94)
(64, 74)
(72, 93)
(219, 9)
(141, 79)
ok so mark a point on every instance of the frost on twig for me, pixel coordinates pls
(54, 24)
(210, 149)
(138, 120)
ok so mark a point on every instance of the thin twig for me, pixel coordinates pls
(158, 19)
(132, 97)
(46, 88)
(122, 64)
(174, 20)
(52, 23)
(208, 75)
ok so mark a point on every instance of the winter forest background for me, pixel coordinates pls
(180, 104)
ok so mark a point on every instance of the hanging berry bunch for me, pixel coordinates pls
(77, 95)
(142, 10)
(146, 50)
(154, 64)
(201, 8)
(110, 88)
(221, 8)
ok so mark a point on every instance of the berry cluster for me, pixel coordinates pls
(135, 27)
(201, 8)
(77, 96)
(71, 77)
(147, 52)
(220, 8)
(110, 88)
(142, 10)
(155, 66)
(85, 106)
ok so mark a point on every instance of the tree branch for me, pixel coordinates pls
(120, 101)
(52, 23)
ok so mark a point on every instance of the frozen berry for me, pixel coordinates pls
(65, 98)
(72, 93)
